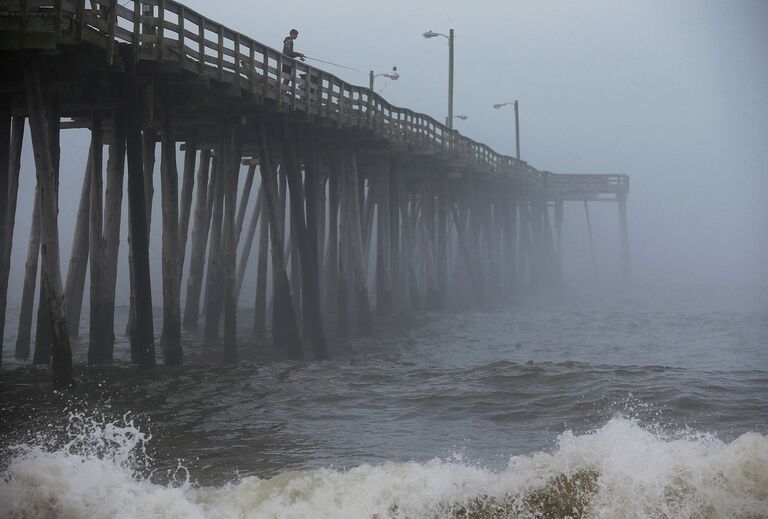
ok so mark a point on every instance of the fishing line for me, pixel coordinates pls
(335, 64)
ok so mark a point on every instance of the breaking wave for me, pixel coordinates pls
(102, 469)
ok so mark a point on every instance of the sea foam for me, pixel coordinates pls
(618, 470)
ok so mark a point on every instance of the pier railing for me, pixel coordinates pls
(585, 186)
(167, 31)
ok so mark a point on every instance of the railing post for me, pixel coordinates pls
(180, 29)
(160, 32)
(237, 60)
(136, 22)
(279, 77)
(265, 69)
(201, 44)
(294, 76)
(57, 20)
(252, 66)
(220, 49)
(111, 23)
(79, 15)
(308, 90)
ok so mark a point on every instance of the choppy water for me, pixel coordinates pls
(649, 404)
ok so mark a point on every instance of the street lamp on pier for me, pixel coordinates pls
(517, 124)
(431, 34)
(394, 76)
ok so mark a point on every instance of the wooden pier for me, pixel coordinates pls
(358, 207)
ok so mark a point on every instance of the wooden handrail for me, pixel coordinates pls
(253, 71)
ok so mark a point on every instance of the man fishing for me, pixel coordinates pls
(289, 52)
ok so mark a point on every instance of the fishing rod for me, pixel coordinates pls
(335, 64)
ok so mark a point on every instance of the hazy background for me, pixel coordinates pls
(672, 94)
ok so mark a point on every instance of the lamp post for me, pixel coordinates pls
(430, 34)
(461, 116)
(517, 124)
(394, 76)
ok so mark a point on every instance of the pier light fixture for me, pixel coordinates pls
(517, 124)
(461, 116)
(431, 34)
(394, 76)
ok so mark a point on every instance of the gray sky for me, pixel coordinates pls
(671, 93)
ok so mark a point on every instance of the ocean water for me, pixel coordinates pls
(609, 403)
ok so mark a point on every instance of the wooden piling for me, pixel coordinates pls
(169, 181)
(260, 304)
(213, 282)
(96, 353)
(355, 240)
(285, 331)
(78, 259)
(203, 211)
(591, 241)
(313, 314)
(559, 238)
(624, 238)
(113, 202)
(332, 247)
(231, 158)
(511, 248)
(12, 192)
(441, 245)
(304, 234)
(5, 162)
(394, 229)
(148, 145)
(142, 334)
(23, 335)
(383, 243)
(44, 331)
(46, 169)
(185, 208)
(525, 255)
(244, 199)
(248, 245)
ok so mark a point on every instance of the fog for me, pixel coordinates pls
(603, 399)
(672, 95)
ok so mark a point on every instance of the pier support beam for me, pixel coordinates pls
(142, 335)
(203, 208)
(355, 240)
(231, 157)
(24, 333)
(171, 335)
(78, 259)
(383, 243)
(61, 358)
(44, 333)
(332, 251)
(214, 279)
(625, 262)
(96, 353)
(308, 250)
(285, 331)
(591, 240)
(185, 209)
(11, 135)
(260, 304)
